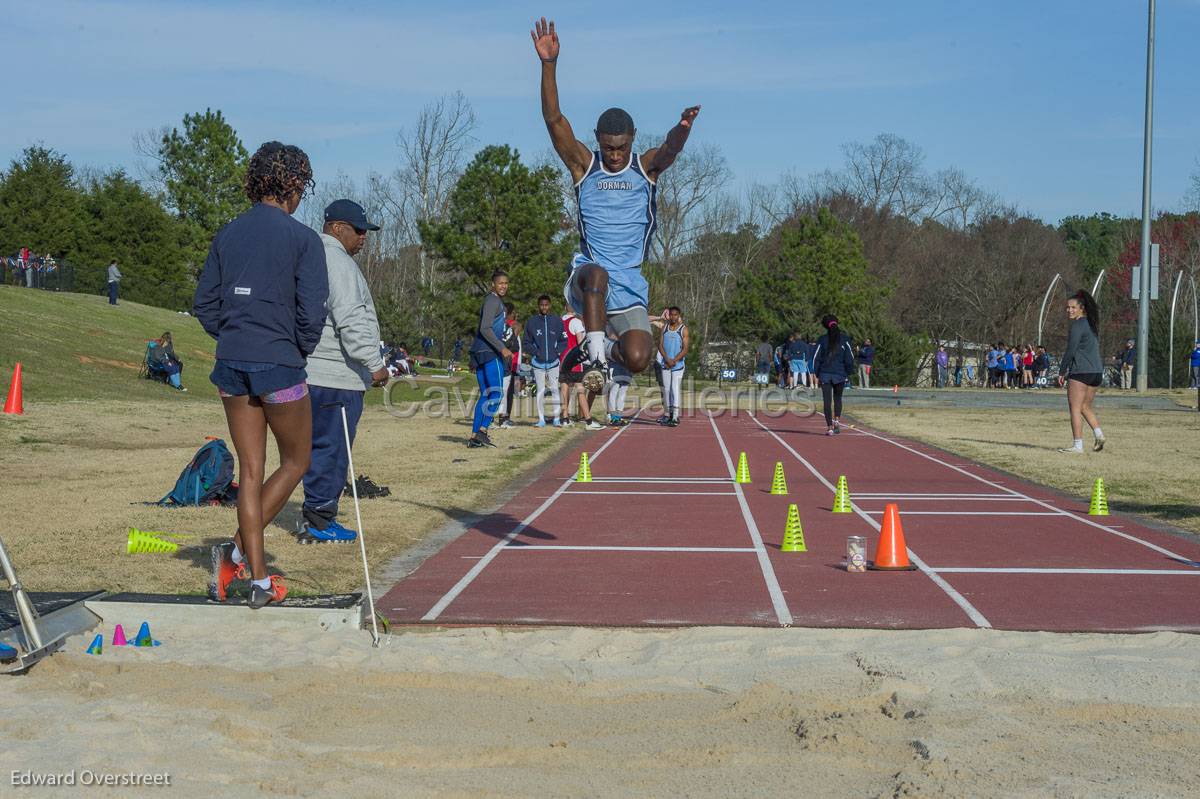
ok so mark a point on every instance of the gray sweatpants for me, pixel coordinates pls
(547, 380)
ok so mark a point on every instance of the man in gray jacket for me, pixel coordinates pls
(346, 363)
(114, 281)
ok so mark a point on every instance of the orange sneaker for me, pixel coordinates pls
(261, 596)
(224, 572)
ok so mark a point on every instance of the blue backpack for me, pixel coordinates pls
(207, 480)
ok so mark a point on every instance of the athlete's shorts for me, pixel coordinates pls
(627, 291)
(1087, 378)
(798, 366)
(271, 383)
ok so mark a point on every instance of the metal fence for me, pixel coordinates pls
(38, 274)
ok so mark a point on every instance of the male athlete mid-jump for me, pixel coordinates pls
(614, 188)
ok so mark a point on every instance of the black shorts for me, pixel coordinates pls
(1087, 378)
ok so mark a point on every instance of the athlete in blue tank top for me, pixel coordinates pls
(615, 191)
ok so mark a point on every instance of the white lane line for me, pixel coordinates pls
(764, 560)
(564, 547)
(470, 576)
(967, 513)
(657, 493)
(945, 498)
(972, 612)
(682, 480)
(1031, 570)
(1077, 517)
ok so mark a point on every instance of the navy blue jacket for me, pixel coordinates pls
(833, 367)
(797, 350)
(545, 339)
(263, 289)
(866, 355)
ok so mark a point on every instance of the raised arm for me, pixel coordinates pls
(656, 160)
(573, 152)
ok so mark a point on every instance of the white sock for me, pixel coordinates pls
(1078, 444)
(595, 346)
(1097, 432)
(238, 557)
(264, 584)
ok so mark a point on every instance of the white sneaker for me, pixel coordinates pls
(1071, 450)
(594, 425)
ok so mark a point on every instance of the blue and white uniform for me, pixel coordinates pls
(617, 217)
(672, 346)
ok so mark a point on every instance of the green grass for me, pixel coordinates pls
(76, 347)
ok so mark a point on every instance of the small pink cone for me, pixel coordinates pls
(119, 637)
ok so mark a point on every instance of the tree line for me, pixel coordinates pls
(906, 255)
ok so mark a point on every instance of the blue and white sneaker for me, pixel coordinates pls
(557, 423)
(540, 423)
(333, 533)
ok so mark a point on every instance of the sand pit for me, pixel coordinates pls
(280, 709)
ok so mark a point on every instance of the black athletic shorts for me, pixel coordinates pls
(1087, 378)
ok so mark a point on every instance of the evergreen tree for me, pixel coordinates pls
(501, 215)
(40, 205)
(203, 168)
(127, 223)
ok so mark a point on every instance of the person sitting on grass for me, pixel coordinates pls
(161, 359)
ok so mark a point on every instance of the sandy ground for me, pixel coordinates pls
(277, 709)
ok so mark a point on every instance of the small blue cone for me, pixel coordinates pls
(143, 636)
(97, 646)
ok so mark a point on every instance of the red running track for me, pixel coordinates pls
(664, 536)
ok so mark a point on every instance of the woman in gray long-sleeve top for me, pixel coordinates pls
(1081, 369)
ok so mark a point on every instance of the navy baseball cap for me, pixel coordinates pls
(349, 212)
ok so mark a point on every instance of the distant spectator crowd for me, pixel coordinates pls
(30, 270)
(1012, 366)
(792, 362)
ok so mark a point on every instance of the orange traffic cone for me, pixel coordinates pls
(892, 553)
(14, 402)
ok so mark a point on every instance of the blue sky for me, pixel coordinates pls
(1039, 100)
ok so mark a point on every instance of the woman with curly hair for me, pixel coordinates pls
(262, 296)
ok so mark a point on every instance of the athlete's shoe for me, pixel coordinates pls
(829, 432)
(474, 443)
(507, 425)
(595, 375)
(664, 420)
(259, 597)
(594, 425)
(540, 423)
(557, 423)
(1099, 445)
(837, 428)
(333, 533)
(7, 653)
(1071, 450)
(673, 423)
(224, 571)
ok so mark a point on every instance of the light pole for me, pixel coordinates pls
(1143, 331)
(1046, 299)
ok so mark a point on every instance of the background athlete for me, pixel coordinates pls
(614, 188)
